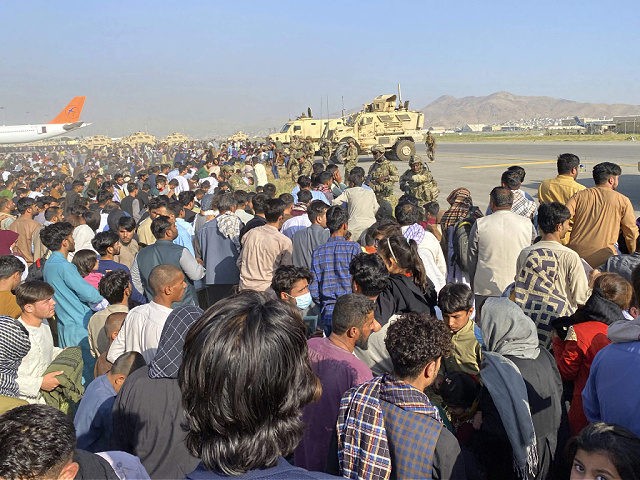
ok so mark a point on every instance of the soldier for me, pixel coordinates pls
(430, 143)
(419, 182)
(301, 167)
(383, 175)
(325, 151)
(351, 156)
(309, 149)
(295, 147)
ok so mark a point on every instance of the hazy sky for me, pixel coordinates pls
(206, 67)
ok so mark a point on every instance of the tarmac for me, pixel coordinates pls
(478, 166)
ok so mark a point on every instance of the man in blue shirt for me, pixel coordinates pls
(76, 300)
(93, 418)
(330, 266)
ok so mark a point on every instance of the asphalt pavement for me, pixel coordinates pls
(478, 166)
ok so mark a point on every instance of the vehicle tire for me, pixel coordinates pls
(339, 155)
(404, 150)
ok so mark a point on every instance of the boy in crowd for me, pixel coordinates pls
(455, 300)
(10, 274)
(111, 329)
(93, 418)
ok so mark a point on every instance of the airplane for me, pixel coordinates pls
(67, 121)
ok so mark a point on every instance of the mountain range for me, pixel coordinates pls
(501, 107)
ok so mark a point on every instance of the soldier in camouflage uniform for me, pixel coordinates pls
(295, 147)
(419, 182)
(351, 156)
(383, 175)
(301, 166)
(234, 179)
(309, 149)
(430, 143)
(325, 151)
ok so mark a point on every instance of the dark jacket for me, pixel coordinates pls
(148, 423)
(402, 295)
(92, 467)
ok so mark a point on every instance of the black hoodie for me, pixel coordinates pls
(402, 295)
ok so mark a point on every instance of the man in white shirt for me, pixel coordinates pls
(143, 325)
(36, 302)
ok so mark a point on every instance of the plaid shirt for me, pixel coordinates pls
(331, 277)
(377, 411)
(522, 205)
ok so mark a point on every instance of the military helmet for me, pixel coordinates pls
(300, 155)
(415, 159)
(226, 168)
(377, 149)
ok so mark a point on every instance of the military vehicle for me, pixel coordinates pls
(239, 136)
(306, 126)
(385, 121)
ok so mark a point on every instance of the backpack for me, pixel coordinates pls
(460, 241)
(36, 269)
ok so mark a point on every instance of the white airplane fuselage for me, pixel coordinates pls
(32, 133)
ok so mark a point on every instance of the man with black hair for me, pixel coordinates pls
(93, 420)
(242, 199)
(251, 437)
(495, 241)
(26, 228)
(305, 241)
(369, 275)
(157, 206)
(129, 247)
(165, 252)
(219, 243)
(185, 230)
(130, 204)
(521, 205)
(300, 221)
(264, 249)
(116, 288)
(291, 285)
(361, 202)
(73, 195)
(550, 279)
(599, 214)
(38, 441)
(388, 424)
(303, 182)
(334, 363)
(564, 186)
(75, 299)
(37, 305)
(11, 269)
(330, 266)
(259, 203)
(337, 186)
(187, 199)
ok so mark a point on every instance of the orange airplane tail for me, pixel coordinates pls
(70, 113)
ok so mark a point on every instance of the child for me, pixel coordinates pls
(93, 418)
(36, 303)
(456, 303)
(112, 326)
(605, 451)
(86, 261)
(460, 393)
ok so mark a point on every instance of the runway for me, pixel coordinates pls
(478, 166)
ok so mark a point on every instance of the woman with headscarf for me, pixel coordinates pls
(14, 345)
(148, 414)
(520, 398)
(461, 208)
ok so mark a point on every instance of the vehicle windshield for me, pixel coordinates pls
(350, 120)
(285, 127)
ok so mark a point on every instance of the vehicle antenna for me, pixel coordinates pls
(399, 95)
(342, 106)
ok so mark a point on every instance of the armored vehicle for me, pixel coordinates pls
(306, 126)
(385, 121)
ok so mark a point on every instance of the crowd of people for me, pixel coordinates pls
(166, 312)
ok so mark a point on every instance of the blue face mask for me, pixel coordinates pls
(303, 301)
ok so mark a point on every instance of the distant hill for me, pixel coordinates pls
(502, 107)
